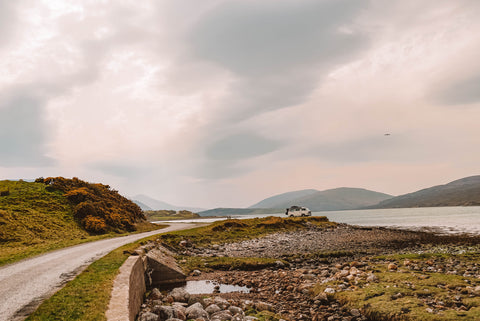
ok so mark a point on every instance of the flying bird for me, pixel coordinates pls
(387, 134)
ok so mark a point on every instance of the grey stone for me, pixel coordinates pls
(164, 312)
(179, 306)
(221, 302)
(196, 311)
(196, 272)
(155, 294)
(355, 312)
(222, 316)
(180, 295)
(195, 299)
(372, 277)
(235, 310)
(263, 306)
(212, 308)
(147, 316)
(238, 317)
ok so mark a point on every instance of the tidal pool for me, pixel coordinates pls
(207, 287)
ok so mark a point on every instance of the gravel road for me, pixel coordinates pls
(25, 284)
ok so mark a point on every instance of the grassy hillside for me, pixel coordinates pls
(343, 198)
(36, 217)
(285, 198)
(97, 207)
(462, 192)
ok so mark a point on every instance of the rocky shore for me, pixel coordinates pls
(358, 240)
(316, 263)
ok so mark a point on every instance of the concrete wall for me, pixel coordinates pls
(129, 286)
(128, 291)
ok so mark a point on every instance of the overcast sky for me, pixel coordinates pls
(223, 103)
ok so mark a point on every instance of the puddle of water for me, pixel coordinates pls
(207, 287)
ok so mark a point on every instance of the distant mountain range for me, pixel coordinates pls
(239, 211)
(148, 203)
(343, 198)
(462, 192)
(283, 199)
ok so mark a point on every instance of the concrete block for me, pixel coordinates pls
(164, 269)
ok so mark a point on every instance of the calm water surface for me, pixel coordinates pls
(445, 219)
(441, 219)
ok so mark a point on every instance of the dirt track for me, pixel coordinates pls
(25, 284)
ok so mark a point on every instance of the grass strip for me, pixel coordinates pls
(87, 297)
(233, 230)
(209, 264)
(14, 252)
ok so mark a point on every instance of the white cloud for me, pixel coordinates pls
(196, 102)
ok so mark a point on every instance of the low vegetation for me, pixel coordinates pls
(209, 264)
(232, 230)
(164, 215)
(97, 207)
(241, 211)
(36, 217)
(407, 294)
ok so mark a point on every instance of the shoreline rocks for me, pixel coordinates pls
(344, 254)
(197, 308)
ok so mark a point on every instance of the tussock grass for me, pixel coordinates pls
(190, 263)
(233, 230)
(406, 294)
(263, 315)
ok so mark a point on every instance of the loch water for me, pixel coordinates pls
(455, 219)
(452, 220)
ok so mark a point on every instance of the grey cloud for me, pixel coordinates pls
(364, 149)
(241, 146)
(278, 50)
(23, 132)
(8, 21)
(225, 156)
(120, 169)
(254, 38)
(465, 91)
(23, 129)
(214, 169)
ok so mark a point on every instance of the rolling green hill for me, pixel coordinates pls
(282, 199)
(29, 214)
(343, 198)
(462, 192)
(56, 212)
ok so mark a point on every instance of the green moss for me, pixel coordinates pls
(190, 263)
(405, 295)
(263, 315)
